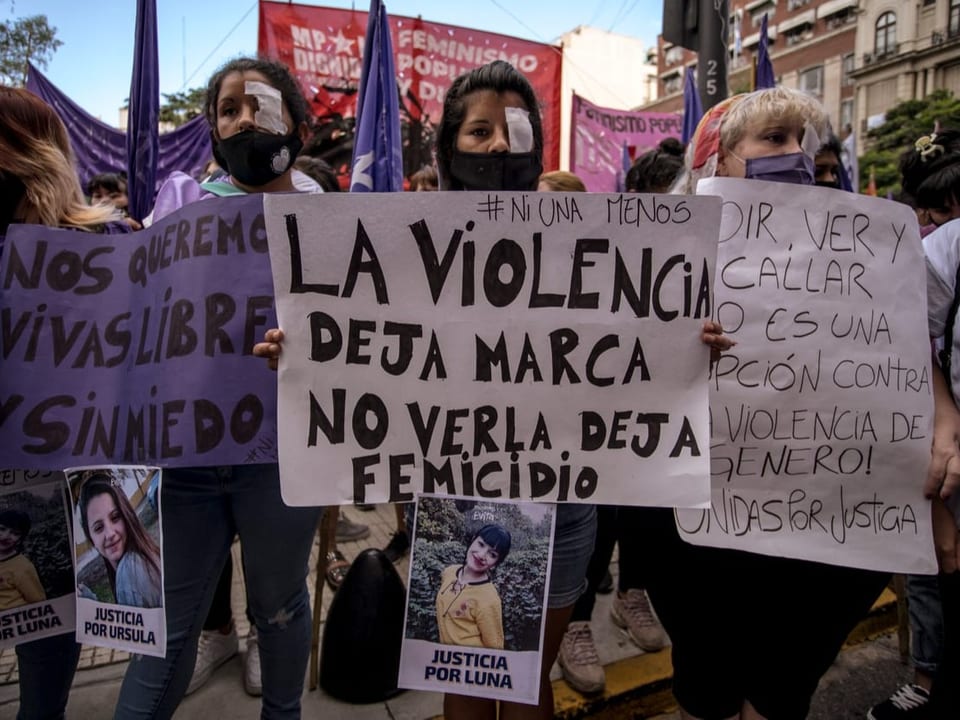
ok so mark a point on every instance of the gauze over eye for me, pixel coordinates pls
(519, 130)
(269, 115)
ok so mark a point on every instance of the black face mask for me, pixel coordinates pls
(255, 158)
(496, 171)
(823, 183)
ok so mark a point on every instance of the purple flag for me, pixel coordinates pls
(765, 77)
(625, 164)
(692, 110)
(143, 133)
(377, 157)
(100, 148)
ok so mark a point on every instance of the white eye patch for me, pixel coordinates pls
(519, 130)
(269, 115)
(811, 141)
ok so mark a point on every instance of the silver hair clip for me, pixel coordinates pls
(928, 148)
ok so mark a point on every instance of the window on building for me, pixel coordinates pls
(846, 113)
(673, 84)
(811, 80)
(673, 55)
(849, 62)
(885, 37)
(953, 27)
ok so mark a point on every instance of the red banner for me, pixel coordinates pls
(324, 48)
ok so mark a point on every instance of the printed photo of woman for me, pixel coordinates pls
(469, 611)
(130, 556)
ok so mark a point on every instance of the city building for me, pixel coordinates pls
(904, 51)
(811, 45)
(608, 69)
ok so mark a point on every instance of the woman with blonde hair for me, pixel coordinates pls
(38, 177)
(39, 186)
(727, 663)
(560, 181)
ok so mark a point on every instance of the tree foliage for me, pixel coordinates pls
(179, 107)
(23, 41)
(902, 126)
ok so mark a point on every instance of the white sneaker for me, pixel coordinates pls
(214, 650)
(252, 682)
(579, 661)
(632, 611)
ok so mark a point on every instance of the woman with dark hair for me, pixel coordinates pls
(131, 556)
(39, 185)
(468, 604)
(258, 124)
(655, 170)
(930, 174)
(491, 138)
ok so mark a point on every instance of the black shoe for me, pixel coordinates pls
(909, 702)
(398, 546)
(606, 585)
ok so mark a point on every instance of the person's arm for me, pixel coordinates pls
(490, 623)
(946, 537)
(28, 583)
(943, 474)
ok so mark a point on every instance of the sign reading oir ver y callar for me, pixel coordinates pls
(822, 412)
(540, 346)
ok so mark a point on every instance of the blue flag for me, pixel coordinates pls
(143, 134)
(377, 157)
(692, 110)
(765, 77)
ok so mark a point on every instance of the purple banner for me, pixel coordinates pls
(101, 148)
(598, 135)
(136, 348)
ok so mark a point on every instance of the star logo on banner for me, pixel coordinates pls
(360, 176)
(344, 44)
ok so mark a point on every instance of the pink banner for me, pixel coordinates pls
(597, 136)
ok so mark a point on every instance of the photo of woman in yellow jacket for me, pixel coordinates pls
(468, 604)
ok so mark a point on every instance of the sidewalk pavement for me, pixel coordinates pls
(638, 684)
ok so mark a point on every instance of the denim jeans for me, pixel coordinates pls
(202, 510)
(46, 669)
(926, 622)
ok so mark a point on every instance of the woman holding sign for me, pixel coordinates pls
(752, 634)
(131, 556)
(931, 176)
(258, 123)
(491, 138)
(39, 186)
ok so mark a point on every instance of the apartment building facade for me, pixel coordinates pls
(904, 51)
(811, 44)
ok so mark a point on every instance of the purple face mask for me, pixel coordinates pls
(796, 168)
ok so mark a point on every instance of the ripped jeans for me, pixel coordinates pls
(202, 510)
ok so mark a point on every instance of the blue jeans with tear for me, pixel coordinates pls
(202, 509)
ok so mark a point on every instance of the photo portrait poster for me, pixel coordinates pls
(476, 606)
(36, 566)
(118, 559)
